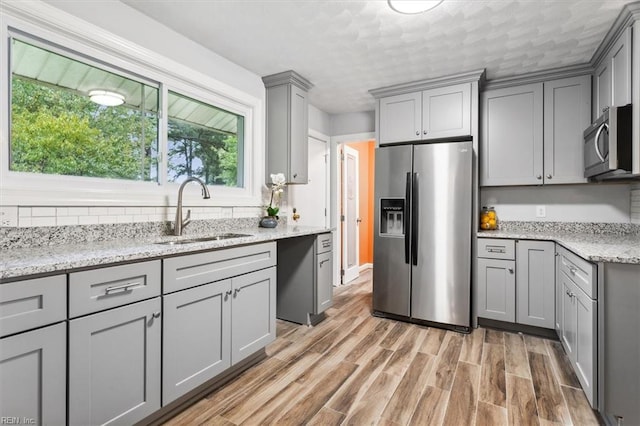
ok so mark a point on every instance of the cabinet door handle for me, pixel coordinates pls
(424, 132)
(236, 291)
(510, 270)
(228, 292)
(322, 262)
(124, 287)
(549, 176)
(539, 177)
(156, 314)
(295, 175)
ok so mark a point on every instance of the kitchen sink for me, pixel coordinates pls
(218, 237)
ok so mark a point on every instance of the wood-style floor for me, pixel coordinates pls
(357, 369)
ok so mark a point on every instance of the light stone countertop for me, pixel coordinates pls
(610, 248)
(22, 262)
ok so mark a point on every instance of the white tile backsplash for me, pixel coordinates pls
(43, 211)
(635, 203)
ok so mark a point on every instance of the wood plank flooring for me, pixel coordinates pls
(355, 369)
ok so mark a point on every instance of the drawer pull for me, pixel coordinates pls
(494, 249)
(322, 262)
(123, 288)
(326, 244)
(572, 269)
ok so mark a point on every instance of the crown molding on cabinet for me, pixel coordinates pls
(418, 86)
(287, 77)
(630, 13)
(540, 76)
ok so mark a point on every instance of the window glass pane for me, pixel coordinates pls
(57, 129)
(204, 141)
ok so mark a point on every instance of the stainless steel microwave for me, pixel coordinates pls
(607, 144)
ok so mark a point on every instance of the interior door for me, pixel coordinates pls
(350, 196)
(311, 200)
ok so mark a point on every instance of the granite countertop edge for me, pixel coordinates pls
(36, 261)
(606, 248)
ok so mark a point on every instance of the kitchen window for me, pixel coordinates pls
(165, 122)
(56, 127)
(203, 141)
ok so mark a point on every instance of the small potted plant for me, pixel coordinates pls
(277, 187)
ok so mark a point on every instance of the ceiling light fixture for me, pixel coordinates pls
(413, 6)
(106, 98)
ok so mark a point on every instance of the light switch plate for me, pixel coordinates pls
(541, 211)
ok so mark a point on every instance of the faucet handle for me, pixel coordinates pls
(187, 219)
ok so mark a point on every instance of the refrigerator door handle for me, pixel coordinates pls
(407, 219)
(414, 223)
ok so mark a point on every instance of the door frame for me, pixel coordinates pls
(334, 202)
(350, 274)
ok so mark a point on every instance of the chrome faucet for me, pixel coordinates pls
(181, 224)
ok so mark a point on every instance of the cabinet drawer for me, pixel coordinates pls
(184, 272)
(496, 248)
(581, 272)
(105, 288)
(32, 303)
(324, 243)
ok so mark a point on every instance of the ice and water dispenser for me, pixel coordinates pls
(392, 216)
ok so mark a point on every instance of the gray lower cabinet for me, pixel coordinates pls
(516, 281)
(114, 365)
(196, 337)
(535, 283)
(305, 278)
(253, 312)
(219, 308)
(496, 283)
(33, 371)
(578, 325)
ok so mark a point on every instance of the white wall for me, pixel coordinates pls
(565, 203)
(319, 120)
(353, 123)
(128, 23)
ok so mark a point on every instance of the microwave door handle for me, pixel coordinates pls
(597, 139)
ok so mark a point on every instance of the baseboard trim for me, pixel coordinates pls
(365, 266)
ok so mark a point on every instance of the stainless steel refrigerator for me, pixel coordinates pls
(422, 242)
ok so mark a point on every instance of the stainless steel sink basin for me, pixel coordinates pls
(218, 237)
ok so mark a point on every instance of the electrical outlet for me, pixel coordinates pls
(541, 211)
(8, 216)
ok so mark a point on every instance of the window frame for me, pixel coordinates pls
(86, 42)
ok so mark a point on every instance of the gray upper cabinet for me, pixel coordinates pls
(287, 126)
(567, 112)
(401, 118)
(535, 283)
(533, 134)
(612, 77)
(114, 365)
(511, 147)
(446, 111)
(430, 114)
(33, 369)
(196, 344)
(621, 70)
(602, 88)
(253, 312)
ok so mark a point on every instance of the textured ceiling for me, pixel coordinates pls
(347, 47)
